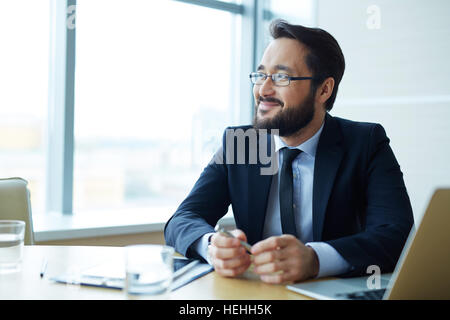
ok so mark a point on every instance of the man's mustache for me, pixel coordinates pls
(270, 99)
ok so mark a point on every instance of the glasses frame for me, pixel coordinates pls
(265, 76)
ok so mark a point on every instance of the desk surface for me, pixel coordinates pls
(27, 284)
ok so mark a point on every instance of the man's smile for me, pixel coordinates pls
(267, 104)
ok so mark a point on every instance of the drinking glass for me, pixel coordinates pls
(149, 269)
(11, 245)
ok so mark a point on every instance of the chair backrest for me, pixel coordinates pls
(15, 204)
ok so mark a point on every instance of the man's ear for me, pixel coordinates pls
(325, 90)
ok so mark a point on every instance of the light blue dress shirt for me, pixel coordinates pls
(331, 263)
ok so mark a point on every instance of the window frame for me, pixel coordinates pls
(61, 99)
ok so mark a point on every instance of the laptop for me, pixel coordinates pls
(422, 272)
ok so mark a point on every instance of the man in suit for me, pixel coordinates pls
(337, 204)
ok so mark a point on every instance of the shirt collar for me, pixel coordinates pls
(309, 146)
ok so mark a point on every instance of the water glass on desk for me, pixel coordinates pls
(149, 269)
(11, 245)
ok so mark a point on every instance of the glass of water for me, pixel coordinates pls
(149, 269)
(11, 245)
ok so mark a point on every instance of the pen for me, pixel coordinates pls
(228, 234)
(43, 267)
(185, 269)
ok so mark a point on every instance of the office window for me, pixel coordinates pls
(24, 64)
(153, 94)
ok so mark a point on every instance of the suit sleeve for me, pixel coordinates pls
(388, 216)
(199, 212)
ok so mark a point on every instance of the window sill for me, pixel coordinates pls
(57, 226)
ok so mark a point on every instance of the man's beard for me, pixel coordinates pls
(289, 120)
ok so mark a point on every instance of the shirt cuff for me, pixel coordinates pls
(201, 246)
(331, 263)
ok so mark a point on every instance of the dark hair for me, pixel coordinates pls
(324, 58)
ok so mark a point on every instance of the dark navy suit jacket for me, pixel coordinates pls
(360, 203)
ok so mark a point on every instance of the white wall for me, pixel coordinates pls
(398, 75)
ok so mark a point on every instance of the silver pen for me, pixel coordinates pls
(43, 267)
(230, 235)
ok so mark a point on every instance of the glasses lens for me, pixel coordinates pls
(280, 79)
(257, 78)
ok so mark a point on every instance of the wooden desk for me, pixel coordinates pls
(27, 283)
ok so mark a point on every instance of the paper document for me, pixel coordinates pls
(112, 275)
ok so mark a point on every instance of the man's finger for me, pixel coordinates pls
(232, 272)
(226, 253)
(272, 243)
(278, 278)
(221, 241)
(270, 268)
(268, 256)
(233, 263)
(239, 234)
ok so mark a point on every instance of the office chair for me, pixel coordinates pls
(15, 204)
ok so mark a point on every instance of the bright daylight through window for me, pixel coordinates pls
(155, 85)
(152, 97)
(24, 60)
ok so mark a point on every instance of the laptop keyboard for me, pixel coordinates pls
(376, 294)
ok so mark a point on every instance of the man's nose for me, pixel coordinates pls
(267, 87)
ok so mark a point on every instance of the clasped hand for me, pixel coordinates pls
(278, 259)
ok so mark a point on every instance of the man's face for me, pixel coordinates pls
(288, 108)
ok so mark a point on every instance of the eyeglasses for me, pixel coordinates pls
(278, 79)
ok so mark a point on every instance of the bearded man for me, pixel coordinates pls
(338, 202)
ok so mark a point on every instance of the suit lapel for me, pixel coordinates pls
(328, 158)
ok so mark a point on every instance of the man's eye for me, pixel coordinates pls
(281, 76)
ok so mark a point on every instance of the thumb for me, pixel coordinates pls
(239, 234)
